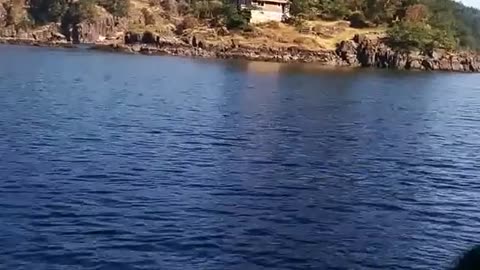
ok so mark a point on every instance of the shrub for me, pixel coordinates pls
(302, 27)
(235, 19)
(408, 35)
(188, 22)
(78, 12)
(207, 9)
(183, 7)
(416, 13)
(357, 20)
(154, 3)
(306, 42)
(25, 23)
(118, 8)
(148, 16)
(44, 11)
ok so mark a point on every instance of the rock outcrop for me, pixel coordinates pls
(101, 29)
(148, 43)
(364, 52)
(358, 52)
(3, 15)
(46, 33)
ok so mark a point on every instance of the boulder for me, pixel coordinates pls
(359, 38)
(436, 54)
(149, 38)
(347, 51)
(223, 31)
(444, 64)
(235, 43)
(3, 15)
(8, 32)
(456, 64)
(91, 31)
(413, 64)
(376, 53)
(428, 64)
(21, 34)
(132, 38)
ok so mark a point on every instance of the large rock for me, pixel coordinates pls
(444, 64)
(149, 38)
(8, 32)
(456, 63)
(413, 64)
(3, 15)
(347, 51)
(103, 27)
(49, 32)
(428, 64)
(132, 38)
(146, 37)
(375, 53)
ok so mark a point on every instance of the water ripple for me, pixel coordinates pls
(120, 162)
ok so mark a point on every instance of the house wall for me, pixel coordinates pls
(271, 7)
(268, 11)
(261, 16)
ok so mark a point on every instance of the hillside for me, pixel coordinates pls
(314, 24)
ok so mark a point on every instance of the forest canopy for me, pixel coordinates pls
(412, 23)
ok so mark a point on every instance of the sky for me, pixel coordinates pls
(472, 3)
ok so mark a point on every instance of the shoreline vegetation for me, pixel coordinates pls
(395, 34)
(358, 52)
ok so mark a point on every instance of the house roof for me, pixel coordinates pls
(272, 1)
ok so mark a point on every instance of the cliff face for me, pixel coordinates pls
(16, 24)
(103, 28)
(364, 52)
(3, 15)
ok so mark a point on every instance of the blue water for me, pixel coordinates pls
(112, 161)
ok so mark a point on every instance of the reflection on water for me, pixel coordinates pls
(274, 68)
(130, 162)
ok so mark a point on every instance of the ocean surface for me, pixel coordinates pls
(111, 161)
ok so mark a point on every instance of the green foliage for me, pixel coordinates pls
(25, 23)
(414, 23)
(207, 9)
(81, 11)
(148, 17)
(188, 22)
(454, 23)
(416, 13)
(358, 20)
(409, 35)
(44, 11)
(235, 18)
(118, 8)
(304, 8)
(335, 9)
(328, 9)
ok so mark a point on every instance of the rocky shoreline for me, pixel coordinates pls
(358, 52)
(37, 43)
(364, 52)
